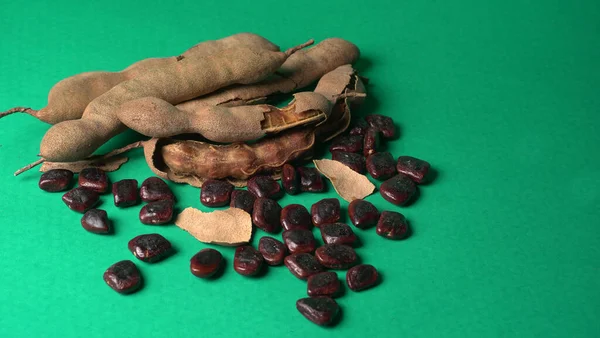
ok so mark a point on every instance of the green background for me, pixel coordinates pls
(502, 97)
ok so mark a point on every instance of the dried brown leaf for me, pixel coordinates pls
(349, 184)
(106, 164)
(229, 227)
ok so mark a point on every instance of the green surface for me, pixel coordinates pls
(500, 96)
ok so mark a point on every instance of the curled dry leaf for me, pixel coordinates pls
(107, 164)
(349, 184)
(229, 227)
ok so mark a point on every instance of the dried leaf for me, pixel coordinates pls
(229, 227)
(106, 164)
(349, 184)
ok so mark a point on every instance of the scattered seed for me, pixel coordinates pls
(303, 265)
(96, 221)
(325, 211)
(159, 212)
(353, 161)
(319, 310)
(272, 250)
(398, 189)
(55, 180)
(289, 179)
(371, 141)
(247, 261)
(413, 167)
(323, 284)
(266, 215)
(359, 127)
(347, 143)
(206, 263)
(337, 233)
(81, 199)
(383, 123)
(242, 199)
(363, 214)
(393, 225)
(154, 189)
(150, 248)
(265, 186)
(336, 256)
(94, 179)
(125, 193)
(295, 216)
(311, 180)
(361, 277)
(215, 193)
(299, 241)
(381, 166)
(123, 277)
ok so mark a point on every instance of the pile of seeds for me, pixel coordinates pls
(298, 249)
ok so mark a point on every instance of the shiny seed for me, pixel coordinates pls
(299, 241)
(159, 212)
(359, 127)
(123, 277)
(337, 233)
(363, 214)
(361, 277)
(56, 180)
(265, 186)
(96, 221)
(325, 211)
(81, 199)
(150, 248)
(381, 166)
(289, 179)
(319, 310)
(336, 256)
(94, 179)
(383, 123)
(215, 193)
(266, 215)
(155, 189)
(303, 265)
(413, 167)
(272, 250)
(398, 190)
(348, 143)
(247, 261)
(353, 161)
(206, 263)
(371, 143)
(125, 193)
(311, 180)
(295, 216)
(242, 199)
(323, 284)
(393, 225)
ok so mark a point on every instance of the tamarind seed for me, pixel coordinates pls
(303, 265)
(363, 214)
(299, 241)
(150, 248)
(323, 284)
(215, 193)
(272, 250)
(155, 189)
(55, 180)
(81, 199)
(381, 166)
(414, 168)
(96, 221)
(383, 123)
(295, 216)
(265, 186)
(247, 261)
(361, 277)
(398, 189)
(125, 193)
(159, 212)
(336, 256)
(359, 127)
(353, 161)
(265, 214)
(311, 180)
(393, 225)
(123, 277)
(289, 179)
(319, 310)
(206, 263)
(347, 143)
(337, 233)
(372, 140)
(325, 211)
(242, 199)
(94, 179)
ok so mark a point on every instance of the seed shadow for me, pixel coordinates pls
(220, 271)
(413, 198)
(338, 318)
(343, 289)
(263, 272)
(431, 176)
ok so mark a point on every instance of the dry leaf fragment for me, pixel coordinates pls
(229, 227)
(106, 164)
(349, 184)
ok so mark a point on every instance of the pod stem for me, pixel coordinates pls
(29, 166)
(19, 110)
(297, 48)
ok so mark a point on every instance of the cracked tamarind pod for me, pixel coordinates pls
(69, 97)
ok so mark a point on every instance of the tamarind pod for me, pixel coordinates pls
(68, 98)
(219, 123)
(188, 78)
(298, 71)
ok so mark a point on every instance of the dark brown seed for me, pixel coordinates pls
(265, 186)
(336, 256)
(266, 215)
(371, 141)
(242, 199)
(96, 221)
(353, 161)
(347, 143)
(319, 310)
(295, 216)
(299, 241)
(272, 250)
(361, 277)
(363, 214)
(289, 179)
(359, 127)
(413, 167)
(325, 211)
(125, 193)
(206, 263)
(56, 180)
(215, 193)
(123, 277)
(81, 199)
(337, 233)
(393, 225)
(311, 180)
(381, 165)
(398, 189)
(159, 212)
(155, 189)
(383, 123)
(94, 179)
(247, 261)
(303, 265)
(323, 284)
(150, 248)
